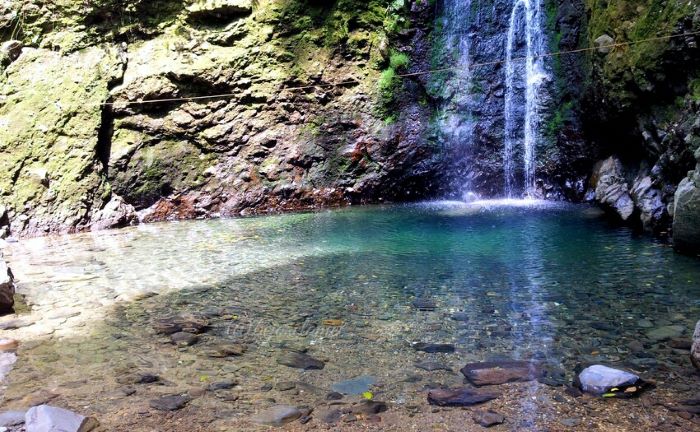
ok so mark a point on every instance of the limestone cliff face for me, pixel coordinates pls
(80, 150)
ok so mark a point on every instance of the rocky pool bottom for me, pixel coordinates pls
(222, 325)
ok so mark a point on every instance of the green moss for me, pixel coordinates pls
(398, 60)
(694, 89)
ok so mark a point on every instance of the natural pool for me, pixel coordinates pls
(543, 281)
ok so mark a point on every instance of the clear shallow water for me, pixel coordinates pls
(529, 279)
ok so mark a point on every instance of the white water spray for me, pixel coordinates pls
(533, 76)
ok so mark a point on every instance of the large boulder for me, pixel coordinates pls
(686, 212)
(7, 288)
(611, 189)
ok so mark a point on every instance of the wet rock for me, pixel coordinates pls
(695, 349)
(570, 422)
(226, 350)
(432, 366)
(115, 214)
(355, 386)
(138, 378)
(7, 288)
(45, 418)
(222, 385)
(188, 323)
(12, 418)
(424, 304)
(334, 396)
(369, 407)
(433, 348)
(488, 418)
(665, 333)
(170, 403)
(599, 379)
(285, 385)
(300, 361)
(330, 416)
(551, 375)
(611, 189)
(277, 416)
(459, 397)
(184, 339)
(500, 372)
(680, 343)
(7, 361)
(460, 316)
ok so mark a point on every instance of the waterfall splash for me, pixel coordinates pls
(525, 16)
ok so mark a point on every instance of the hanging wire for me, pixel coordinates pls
(410, 74)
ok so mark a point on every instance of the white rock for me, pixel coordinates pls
(695, 350)
(45, 418)
(599, 379)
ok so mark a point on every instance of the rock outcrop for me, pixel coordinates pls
(610, 187)
(686, 212)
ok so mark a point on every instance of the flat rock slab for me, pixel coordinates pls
(355, 386)
(488, 418)
(459, 397)
(45, 418)
(278, 415)
(170, 403)
(368, 407)
(300, 361)
(433, 348)
(500, 372)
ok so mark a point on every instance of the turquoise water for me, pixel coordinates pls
(547, 281)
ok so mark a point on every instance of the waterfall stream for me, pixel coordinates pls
(525, 18)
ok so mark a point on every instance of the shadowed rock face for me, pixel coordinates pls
(686, 222)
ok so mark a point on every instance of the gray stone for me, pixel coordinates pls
(355, 386)
(603, 44)
(599, 379)
(300, 361)
(488, 418)
(278, 415)
(7, 288)
(459, 397)
(665, 333)
(45, 418)
(184, 339)
(170, 403)
(431, 366)
(12, 418)
(433, 348)
(611, 189)
(649, 200)
(115, 214)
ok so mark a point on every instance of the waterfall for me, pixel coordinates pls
(532, 75)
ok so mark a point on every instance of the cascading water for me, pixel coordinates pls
(528, 72)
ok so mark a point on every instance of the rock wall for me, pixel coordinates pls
(79, 150)
(642, 107)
